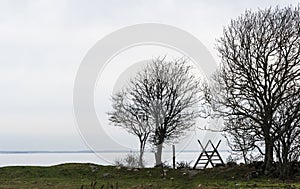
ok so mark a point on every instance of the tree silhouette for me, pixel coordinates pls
(259, 74)
(131, 118)
(167, 93)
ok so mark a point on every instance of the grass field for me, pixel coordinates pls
(110, 177)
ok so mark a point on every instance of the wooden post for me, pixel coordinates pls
(173, 146)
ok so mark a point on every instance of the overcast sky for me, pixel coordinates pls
(43, 42)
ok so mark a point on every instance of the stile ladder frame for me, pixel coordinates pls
(210, 156)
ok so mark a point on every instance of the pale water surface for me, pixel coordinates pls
(103, 158)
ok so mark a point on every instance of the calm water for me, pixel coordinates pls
(105, 158)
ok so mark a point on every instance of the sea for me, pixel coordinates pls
(49, 158)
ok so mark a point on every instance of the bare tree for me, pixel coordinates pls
(287, 125)
(167, 93)
(260, 57)
(241, 139)
(128, 115)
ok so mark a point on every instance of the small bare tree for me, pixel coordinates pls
(166, 92)
(128, 115)
(240, 138)
(287, 125)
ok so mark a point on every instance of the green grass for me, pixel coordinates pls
(78, 175)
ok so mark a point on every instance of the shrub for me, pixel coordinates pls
(183, 165)
(131, 160)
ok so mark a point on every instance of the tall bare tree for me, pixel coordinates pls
(260, 57)
(167, 93)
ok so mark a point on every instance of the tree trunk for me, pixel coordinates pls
(158, 155)
(142, 149)
(268, 163)
(284, 170)
(245, 156)
(141, 158)
(285, 167)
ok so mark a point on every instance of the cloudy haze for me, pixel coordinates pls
(43, 42)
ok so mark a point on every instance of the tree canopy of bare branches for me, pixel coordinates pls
(258, 81)
(166, 94)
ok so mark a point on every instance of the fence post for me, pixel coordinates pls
(173, 146)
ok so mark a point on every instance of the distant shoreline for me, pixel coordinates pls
(85, 151)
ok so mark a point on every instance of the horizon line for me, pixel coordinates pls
(87, 151)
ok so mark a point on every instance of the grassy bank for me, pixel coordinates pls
(97, 176)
